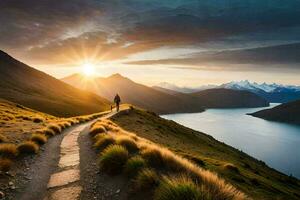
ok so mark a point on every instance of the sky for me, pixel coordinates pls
(185, 42)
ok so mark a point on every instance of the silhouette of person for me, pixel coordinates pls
(117, 101)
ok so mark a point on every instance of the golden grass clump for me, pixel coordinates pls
(134, 165)
(128, 143)
(37, 120)
(153, 156)
(5, 164)
(104, 141)
(55, 128)
(2, 138)
(97, 129)
(146, 179)
(39, 138)
(113, 159)
(8, 150)
(232, 168)
(28, 147)
(179, 188)
(48, 132)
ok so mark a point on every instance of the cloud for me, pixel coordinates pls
(287, 56)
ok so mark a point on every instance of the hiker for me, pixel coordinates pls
(117, 101)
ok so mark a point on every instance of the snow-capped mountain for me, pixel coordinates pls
(246, 85)
(275, 93)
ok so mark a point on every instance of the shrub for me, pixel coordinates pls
(3, 138)
(146, 179)
(153, 156)
(49, 132)
(104, 142)
(5, 164)
(37, 120)
(232, 168)
(8, 150)
(113, 159)
(134, 165)
(28, 147)
(55, 128)
(96, 130)
(178, 188)
(128, 143)
(39, 138)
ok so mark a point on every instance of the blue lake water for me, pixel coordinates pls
(277, 144)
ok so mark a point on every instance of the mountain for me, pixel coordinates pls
(275, 93)
(161, 100)
(22, 84)
(137, 94)
(228, 98)
(272, 92)
(287, 112)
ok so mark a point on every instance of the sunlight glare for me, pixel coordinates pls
(88, 69)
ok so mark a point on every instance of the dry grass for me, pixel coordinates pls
(104, 141)
(28, 147)
(3, 138)
(113, 159)
(153, 156)
(5, 164)
(232, 168)
(96, 129)
(55, 128)
(39, 138)
(8, 150)
(134, 165)
(48, 132)
(128, 143)
(146, 179)
(179, 188)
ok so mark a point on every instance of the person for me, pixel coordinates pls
(117, 101)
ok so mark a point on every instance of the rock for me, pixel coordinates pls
(118, 191)
(10, 183)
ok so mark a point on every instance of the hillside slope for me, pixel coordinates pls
(164, 101)
(249, 175)
(287, 112)
(22, 84)
(227, 98)
(137, 94)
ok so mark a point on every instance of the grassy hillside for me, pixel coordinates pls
(27, 86)
(137, 94)
(247, 174)
(227, 98)
(287, 112)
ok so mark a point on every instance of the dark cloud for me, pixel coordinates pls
(49, 31)
(247, 59)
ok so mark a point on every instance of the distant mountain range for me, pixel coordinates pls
(276, 93)
(287, 112)
(164, 101)
(25, 85)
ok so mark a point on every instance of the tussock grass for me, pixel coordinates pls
(28, 147)
(5, 164)
(153, 156)
(39, 138)
(8, 150)
(96, 130)
(128, 143)
(48, 132)
(103, 142)
(134, 165)
(178, 188)
(55, 128)
(146, 179)
(2, 138)
(37, 120)
(232, 168)
(113, 159)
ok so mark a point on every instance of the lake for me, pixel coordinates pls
(277, 144)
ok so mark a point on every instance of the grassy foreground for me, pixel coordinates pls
(154, 169)
(251, 176)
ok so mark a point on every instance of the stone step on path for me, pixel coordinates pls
(64, 184)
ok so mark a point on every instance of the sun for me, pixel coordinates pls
(88, 69)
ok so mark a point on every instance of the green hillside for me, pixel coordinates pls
(249, 175)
